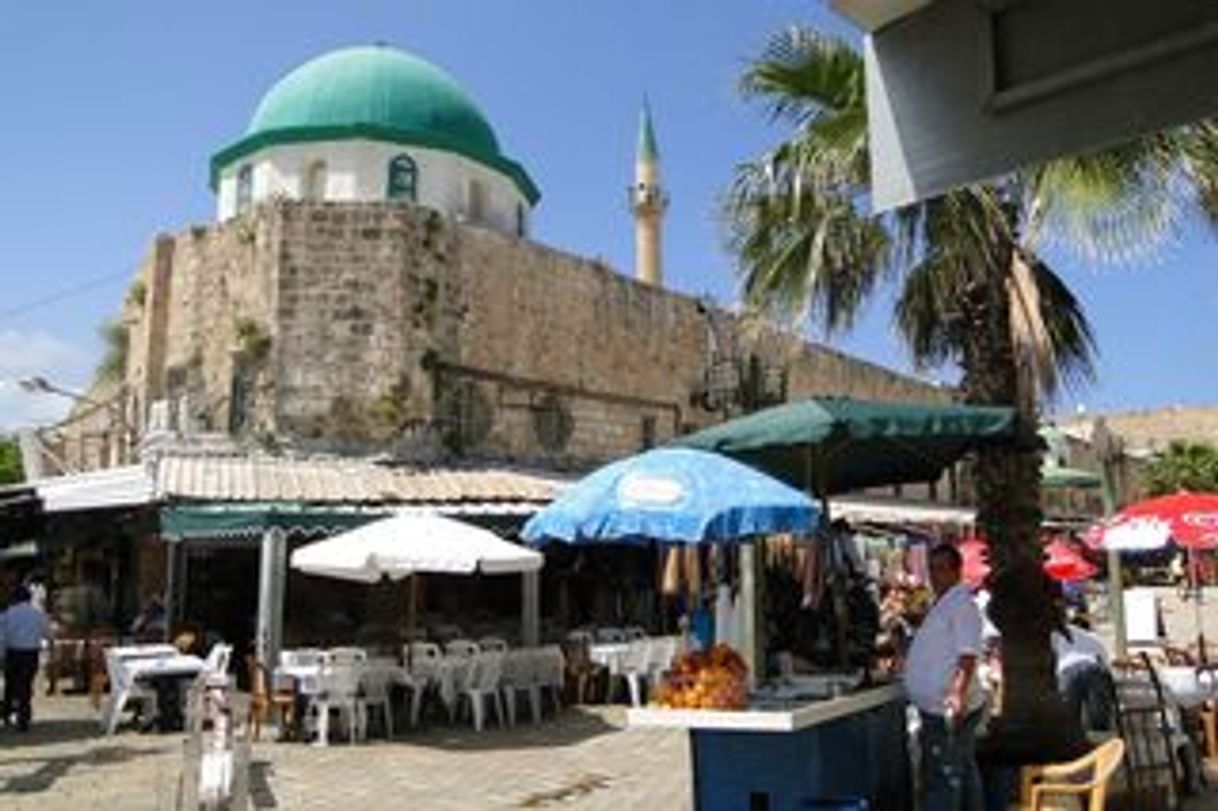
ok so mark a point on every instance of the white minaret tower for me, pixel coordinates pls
(648, 200)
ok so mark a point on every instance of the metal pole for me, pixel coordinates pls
(530, 608)
(1116, 589)
(752, 579)
(272, 572)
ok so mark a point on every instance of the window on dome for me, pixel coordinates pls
(403, 179)
(475, 208)
(315, 181)
(245, 188)
(522, 221)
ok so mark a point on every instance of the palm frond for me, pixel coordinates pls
(1069, 332)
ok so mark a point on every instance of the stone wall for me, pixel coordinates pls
(364, 328)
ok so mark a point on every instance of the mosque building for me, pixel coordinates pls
(370, 287)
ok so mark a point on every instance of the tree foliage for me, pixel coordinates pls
(113, 366)
(11, 471)
(1191, 466)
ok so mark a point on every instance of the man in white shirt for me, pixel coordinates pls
(941, 681)
(23, 627)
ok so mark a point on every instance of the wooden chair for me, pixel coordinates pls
(1085, 779)
(264, 700)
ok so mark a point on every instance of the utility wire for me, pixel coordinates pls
(65, 293)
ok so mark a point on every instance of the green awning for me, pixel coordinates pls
(238, 521)
(1056, 477)
(836, 444)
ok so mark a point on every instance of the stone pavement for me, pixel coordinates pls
(582, 760)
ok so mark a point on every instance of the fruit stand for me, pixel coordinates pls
(793, 753)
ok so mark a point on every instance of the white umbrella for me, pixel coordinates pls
(402, 545)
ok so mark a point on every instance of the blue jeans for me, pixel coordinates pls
(950, 780)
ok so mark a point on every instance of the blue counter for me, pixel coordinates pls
(853, 747)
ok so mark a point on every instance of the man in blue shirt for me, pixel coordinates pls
(23, 627)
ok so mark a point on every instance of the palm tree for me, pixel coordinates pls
(975, 291)
(1184, 466)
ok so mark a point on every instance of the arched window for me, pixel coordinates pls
(315, 181)
(522, 221)
(403, 180)
(245, 188)
(475, 208)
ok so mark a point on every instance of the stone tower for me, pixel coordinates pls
(648, 201)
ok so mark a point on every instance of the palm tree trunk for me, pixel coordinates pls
(1034, 724)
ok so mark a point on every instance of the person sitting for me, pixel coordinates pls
(152, 622)
(1083, 677)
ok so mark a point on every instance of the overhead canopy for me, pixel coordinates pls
(20, 514)
(251, 521)
(129, 486)
(403, 545)
(675, 495)
(837, 444)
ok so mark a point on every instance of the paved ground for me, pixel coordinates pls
(582, 760)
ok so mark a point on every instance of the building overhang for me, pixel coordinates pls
(872, 15)
(965, 91)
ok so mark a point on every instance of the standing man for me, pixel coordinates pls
(941, 680)
(23, 627)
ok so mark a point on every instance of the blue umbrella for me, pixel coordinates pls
(674, 495)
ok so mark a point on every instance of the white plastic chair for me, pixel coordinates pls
(375, 682)
(580, 637)
(462, 647)
(215, 666)
(123, 690)
(610, 635)
(417, 651)
(549, 674)
(344, 656)
(484, 684)
(493, 644)
(634, 632)
(519, 675)
(340, 692)
(636, 669)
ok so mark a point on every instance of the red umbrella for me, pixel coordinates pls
(1064, 563)
(1061, 562)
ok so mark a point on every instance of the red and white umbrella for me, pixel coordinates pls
(1189, 520)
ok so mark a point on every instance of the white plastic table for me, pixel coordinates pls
(1188, 687)
(609, 654)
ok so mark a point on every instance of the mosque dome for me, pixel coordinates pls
(376, 93)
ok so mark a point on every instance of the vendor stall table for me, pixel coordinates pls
(842, 749)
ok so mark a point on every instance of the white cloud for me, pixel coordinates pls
(24, 353)
(36, 353)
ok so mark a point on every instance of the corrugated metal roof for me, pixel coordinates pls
(338, 481)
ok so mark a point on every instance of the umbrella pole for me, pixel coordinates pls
(1194, 576)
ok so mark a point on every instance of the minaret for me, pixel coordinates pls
(648, 201)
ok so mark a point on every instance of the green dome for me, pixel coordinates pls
(376, 93)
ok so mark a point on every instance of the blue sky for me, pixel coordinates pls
(112, 110)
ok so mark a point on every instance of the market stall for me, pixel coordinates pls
(773, 745)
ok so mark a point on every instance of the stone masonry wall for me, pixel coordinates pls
(366, 328)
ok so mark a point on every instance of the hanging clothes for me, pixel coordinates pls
(693, 574)
(723, 615)
(671, 584)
